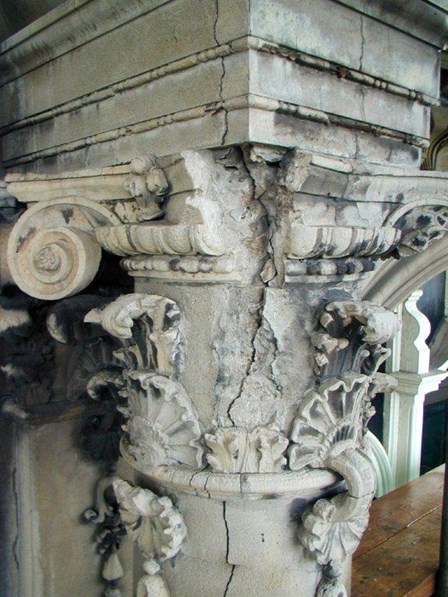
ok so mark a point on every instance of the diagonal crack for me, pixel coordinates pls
(230, 580)
(251, 361)
(363, 42)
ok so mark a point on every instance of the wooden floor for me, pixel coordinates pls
(399, 553)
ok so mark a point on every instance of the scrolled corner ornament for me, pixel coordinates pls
(147, 183)
(148, 327)
(419, 225)
(330, 426)
(350, 337)
(328, 433)
(52, 249)
(158, 529)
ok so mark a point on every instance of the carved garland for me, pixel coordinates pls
(152, 522)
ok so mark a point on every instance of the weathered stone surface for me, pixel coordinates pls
(249, 162)
(209, 80)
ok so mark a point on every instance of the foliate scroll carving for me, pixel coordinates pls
(420, 227)
(148, 328)
(350, 337)
(158, 529)
(161, 427)
(328, 433)
(237, 450)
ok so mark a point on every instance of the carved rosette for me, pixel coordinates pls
(161, 425)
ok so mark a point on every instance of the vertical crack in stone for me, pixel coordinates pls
(221, 80)
(250, 363)
(15, 545)
(270, 278)
(224, 509)
(224, 506)
(363, 41)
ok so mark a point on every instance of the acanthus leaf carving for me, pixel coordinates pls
(350, 337)
(154, 342)
(161, 426)
(328, 431)
(237, 450)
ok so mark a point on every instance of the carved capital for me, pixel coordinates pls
(212, 228)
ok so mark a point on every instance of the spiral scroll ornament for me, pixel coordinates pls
(52, 249)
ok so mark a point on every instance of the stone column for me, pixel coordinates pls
(404, 407)
(249, 216)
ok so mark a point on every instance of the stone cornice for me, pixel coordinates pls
(425, 19)
(241, 45)
(251, 101)
(68, 26)
(47, 38)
